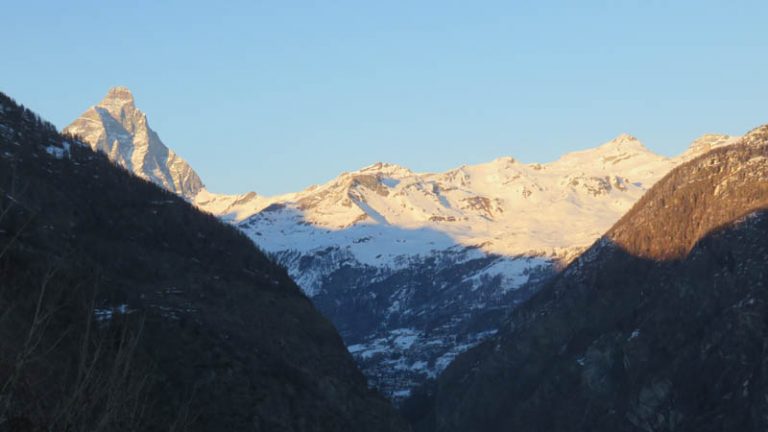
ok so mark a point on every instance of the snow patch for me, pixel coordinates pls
(59, 152)
(106, 314)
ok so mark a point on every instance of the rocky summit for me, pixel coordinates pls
(117, 128)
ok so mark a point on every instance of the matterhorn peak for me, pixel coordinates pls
(119, 93)
(117, 100)
(625, 137)
(119, 104)
(120, 130)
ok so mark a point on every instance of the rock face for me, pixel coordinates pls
(118, 129)
(125, 308)
(659, 326)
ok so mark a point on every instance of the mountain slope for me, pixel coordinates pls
(124, 308)
(414, 268)
(117, 128)
(503, 207)
(660, 325)
(496, 206)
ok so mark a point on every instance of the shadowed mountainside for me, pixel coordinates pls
(124, 308)
(405, 322)
(659, 326)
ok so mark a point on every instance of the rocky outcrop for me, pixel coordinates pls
(118, 129)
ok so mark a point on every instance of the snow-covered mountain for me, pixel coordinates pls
(413, 268)
(116, 127)
(502, 207)
(657, 327)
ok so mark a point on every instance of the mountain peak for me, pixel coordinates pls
(379, 166)
(505, 160)
(623, 137)
(386, 168)
(614, 151)
(758, 135)
(623, 140)
(116, 127)
(706, 142)
(119, 94)
(119, 103)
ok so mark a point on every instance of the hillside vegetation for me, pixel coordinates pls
(122, 308)
(659, 326)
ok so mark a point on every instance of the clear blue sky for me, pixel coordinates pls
(275, 96)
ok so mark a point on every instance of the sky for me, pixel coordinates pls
(273, 96)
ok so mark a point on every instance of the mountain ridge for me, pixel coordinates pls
(632, 338)
(361, 244)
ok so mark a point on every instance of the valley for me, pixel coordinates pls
(412, 268)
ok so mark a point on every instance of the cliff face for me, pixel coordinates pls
(125, 308)
(660, 325)
(118, 129)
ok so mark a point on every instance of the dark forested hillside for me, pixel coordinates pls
(662, 325)
(124, 308)
(706, 193)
